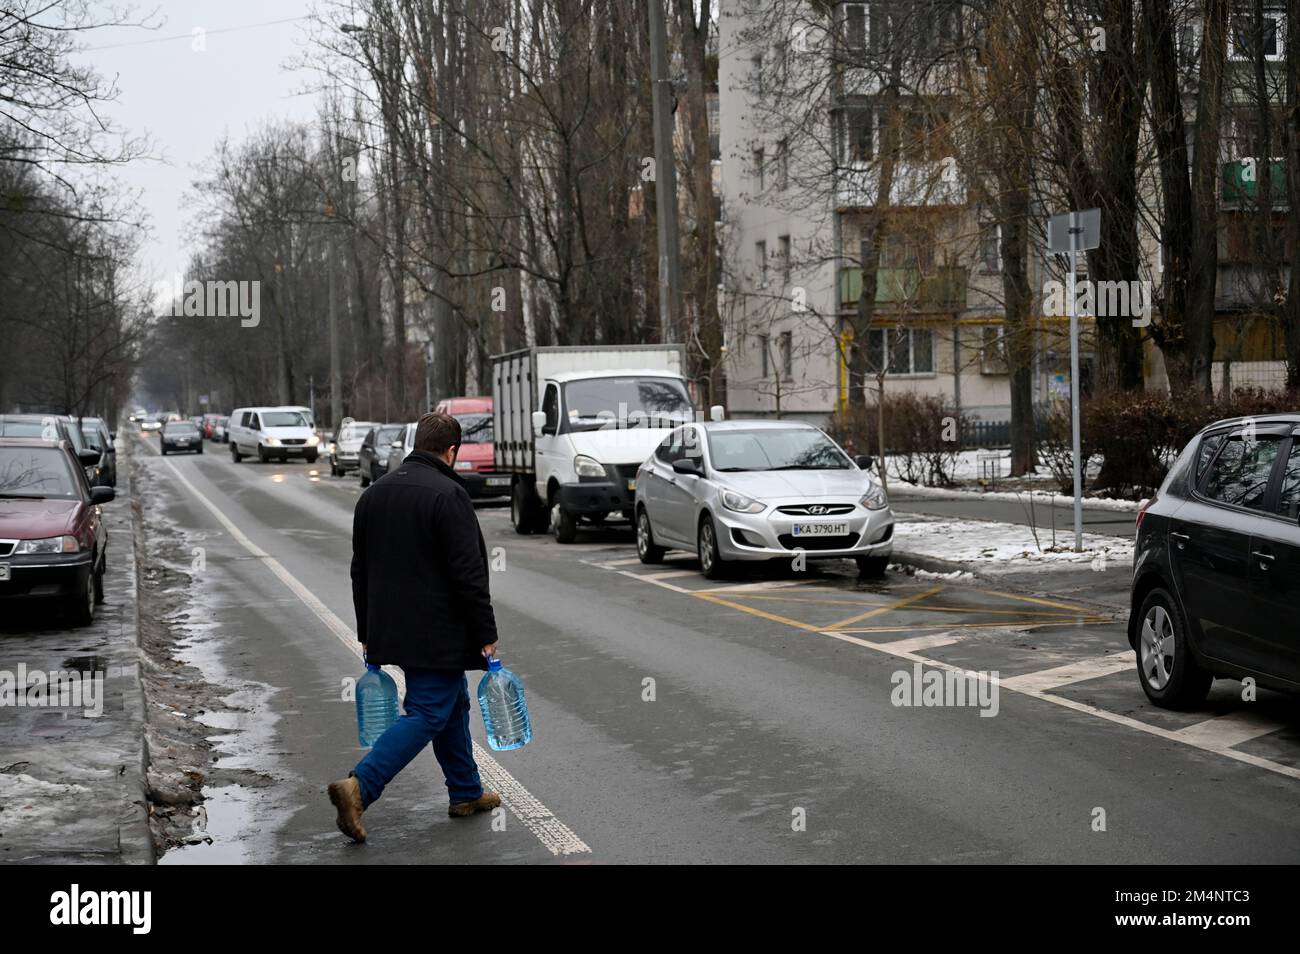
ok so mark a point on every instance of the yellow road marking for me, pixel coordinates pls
(1041, 602)
(999, 624)
(757, 612)
(915, 598)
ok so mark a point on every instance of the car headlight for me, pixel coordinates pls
(875, 499)
(67, 544)
(273, 442)
(740, 503)
(313, 441)
(586, 466)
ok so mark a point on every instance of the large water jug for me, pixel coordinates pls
(505, 711)
(377, 707)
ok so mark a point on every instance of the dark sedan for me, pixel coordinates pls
(181, 436)
(100, 438)
(53, 543)
(380, 444)
(1216, 578)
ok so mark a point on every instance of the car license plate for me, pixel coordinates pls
(819, 529)
(4, 571)
(631, 486)
(498, 481)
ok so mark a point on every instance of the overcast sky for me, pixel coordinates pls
(187, 100)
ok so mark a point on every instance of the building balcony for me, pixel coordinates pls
(1240, 181)
(917, 184)
(908, 289)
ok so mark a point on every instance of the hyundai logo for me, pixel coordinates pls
(816, 509)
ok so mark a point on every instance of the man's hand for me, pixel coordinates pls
(490, 650)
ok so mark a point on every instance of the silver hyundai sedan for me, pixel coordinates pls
(760, 490)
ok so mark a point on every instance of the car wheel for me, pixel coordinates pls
(365, 481)
(646, 548)
(311, 458)
(261, 454)
(872, 567)
(200, 450)
(712, 563)
(234, 453)
(563, 524)
(82, 606)
(521, 509)
(1169, 675)
(163, 451)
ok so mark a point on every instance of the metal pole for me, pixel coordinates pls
(1074, 388)
(665, 176)
(336, 374)
(428, 371)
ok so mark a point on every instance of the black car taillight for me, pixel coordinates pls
(1144, 506)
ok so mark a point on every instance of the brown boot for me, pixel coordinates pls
(346, 796)
(484, 803)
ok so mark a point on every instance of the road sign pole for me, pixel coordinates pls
(1074, 385)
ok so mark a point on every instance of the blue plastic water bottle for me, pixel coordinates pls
(377, 707)
(505, 710)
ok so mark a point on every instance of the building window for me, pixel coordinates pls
(901, 351)
(993, 349)
(783, 164)
(859, 133)
(879, 27)
(991, 247)
(906, 248)
(787, 354)
(760, 263)
(783, 246)
(855, 26)
(1243, 36)
(757, 62)
(759, 176)
(763, 341)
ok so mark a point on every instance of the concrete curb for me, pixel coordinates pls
(135, 836)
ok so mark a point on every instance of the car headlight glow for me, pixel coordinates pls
(875, 499)
(65, 544)
(586, 466)
(313, 441)
(740, 503)
(273, 442)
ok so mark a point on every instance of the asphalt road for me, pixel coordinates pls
(682, 721)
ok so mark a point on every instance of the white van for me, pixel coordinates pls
(272, 433)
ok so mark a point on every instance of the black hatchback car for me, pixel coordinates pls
(1216, 570)
(380, 444)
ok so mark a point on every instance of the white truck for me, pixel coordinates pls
(573, 424)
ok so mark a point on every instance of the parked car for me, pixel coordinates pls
(346, 445)
(100, 438)
(53, 543)
(476, 459)
(378, 446)
(735, 491)
(181, 436)
(220, 430)
(272, 432)
(209, 426)
(53, 427)
(1216, 568)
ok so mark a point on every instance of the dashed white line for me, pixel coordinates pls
(554, 835)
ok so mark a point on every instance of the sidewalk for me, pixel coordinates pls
(71, 782)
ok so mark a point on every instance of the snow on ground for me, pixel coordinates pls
(991, 547)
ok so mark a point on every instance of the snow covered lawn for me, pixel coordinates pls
(990, 547)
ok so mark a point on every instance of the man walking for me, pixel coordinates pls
(420, 588)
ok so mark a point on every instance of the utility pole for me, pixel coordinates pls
(336, 374)
(665, 177)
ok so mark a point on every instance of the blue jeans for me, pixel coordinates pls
(437, 711)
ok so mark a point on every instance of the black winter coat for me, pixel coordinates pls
(420, 570)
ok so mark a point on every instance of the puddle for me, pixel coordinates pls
(228, 815)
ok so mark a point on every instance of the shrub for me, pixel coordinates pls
(916, 426)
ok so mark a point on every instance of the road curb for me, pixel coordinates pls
(136, 837)
(932, 564)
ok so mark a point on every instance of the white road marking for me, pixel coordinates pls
(650, 579)
(933, 641)
(671, 574)
(1046, 679)
(554, 835)
(1228, 730)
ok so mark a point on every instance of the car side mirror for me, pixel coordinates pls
(396, 445)
(102, 495)
(688, 466)
(112, 435)
(864, 461)
(88, 457)
(539, 423)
